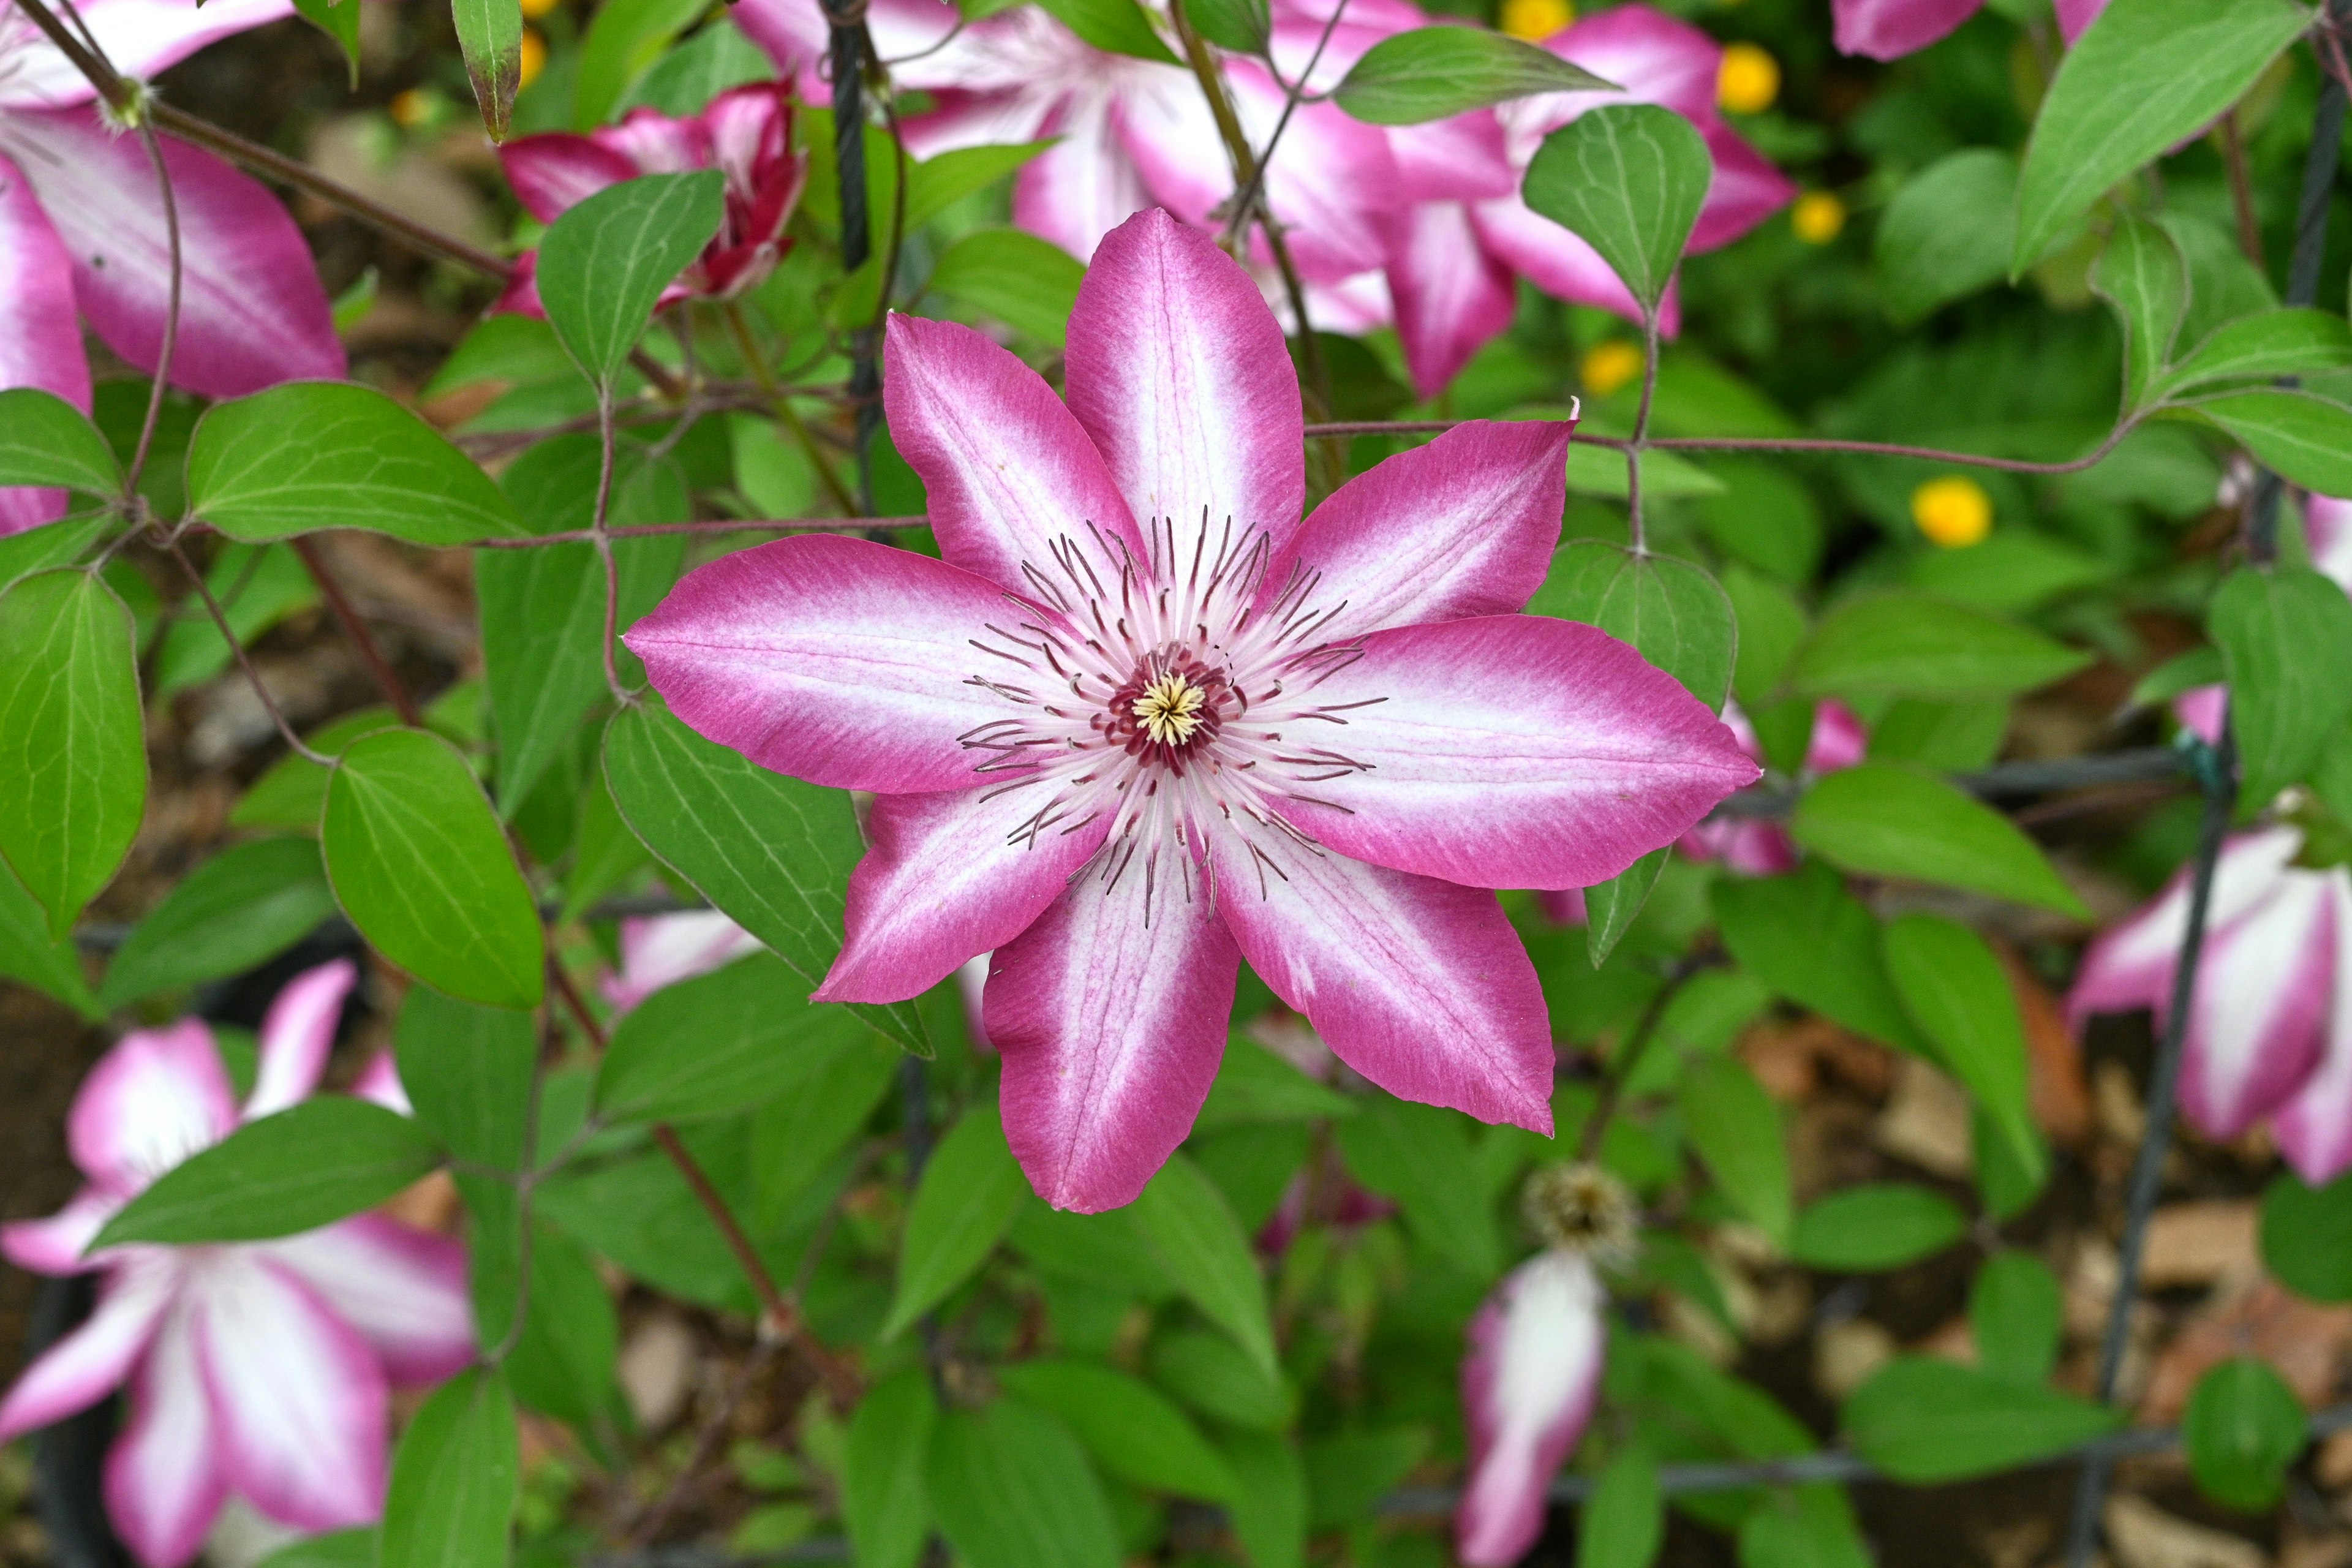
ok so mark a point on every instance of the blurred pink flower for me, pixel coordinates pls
(662, 950)
(2328, 534)
(83, 235)
(745, 132)
(2269, 1033)
(1528, 1390)
(258, 1368)
(1142, 721)
(1888, 30)
(1762, 849)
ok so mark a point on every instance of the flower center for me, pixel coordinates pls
(1170, 710)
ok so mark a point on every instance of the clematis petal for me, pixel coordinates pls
(1889, 29)
(836, 660)
(297, 1395)
(1009, 473)
(2259, 1015)
(1464, 526)
(1452, 298)
(1087, 183)
(296, 1035)
(165, 1482)
(252, 310)
(403, 1289)
(1109, 1013)
(56, 1245)
(155, 1099)
(379, 1082)
(1839, 739)
(40, 337)
(1528, 1390)
(2328, 534)
(662, 950)
(1748, 188)
(2073, 15)
(1560, 264)
(2314, 1128)
(949, 876)
(140, 37)
(90, 1363)
(554, 171)
(1512, 752)
(1177, 370)
(1654, 57)
(2130, 967)
(1420, 985)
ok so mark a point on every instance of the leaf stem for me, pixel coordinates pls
(171, 317)
(1622, 1062)
(712, 525)
(1634, 535)
(786, 414)
(347, 617)
(600, 534)
(245, 660)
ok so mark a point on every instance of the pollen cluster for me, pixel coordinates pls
(1170, 710)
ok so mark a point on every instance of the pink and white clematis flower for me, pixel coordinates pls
(2269, 1033)
(662, 950)
(745, 132)
(82, 235)
(1757, 848)
(1452, 253)
(1889, 29)
(256, 1368)
(2327, 536)
(1142, 721)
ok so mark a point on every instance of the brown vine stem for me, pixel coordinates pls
(1769, 444)
(347, 617)
(171, 316)
(710, 525)
(245, 660)
(1634, 535)
(780, 403)
(1637, 1044)
(599, 535)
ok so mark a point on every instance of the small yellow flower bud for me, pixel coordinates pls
(1954, 510)
(534, 55)
(1748, 81)
(410, 108)
(1610, 365)
(534, 9)
(1818, 217)
(1536, 20)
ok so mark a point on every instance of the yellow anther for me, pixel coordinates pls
(1818, 217)
(1170, 710)
(1748, 81)
(1536, 20)
(1610, 365)
(1954, 510)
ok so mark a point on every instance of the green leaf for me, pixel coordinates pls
(1958, 994)
(1671, 611)
(1270, 1518)
(420, 866)
(1626, 1523)
(233, 913)
(1771, 624)
(1241, 25)
(2143, 276)
(456, 1476)
(469, 1072)
(1108, 1250)
(1254, 1086)
(489, 37)
(1129, 1427)
(1218, 1378)
(332, 454)
(2308, 439)
(1909, 645)
(1435, 73)
(773, 852)
(1926, 1420)
(796, 1135)
(1875, 1225)
(714, 1044)
(1948, 232)
(1883, 819)
(72, 742)
(626, 38)
(1600, 472)
(971, 1190)
(1027, 283)
(1348, 1472)
(562, 1363)
(605, 263)
(1766, 519)
(293, 793)
(1200, 1244)
(57, 543)
(51, 965)
(1114, 27)
(1813, 941)
(312, 1164)
(2147, 75)
(1628, 178)
(883, 1499)
(45, 440)
(1949, 737)
(2308, 1236)
(2285, 636)
(543, 610)
(1806, 1527)
(1419, 1156)
(2292, 341)
(1011, 1489)
(1610, 907)
(1736, 1129)
(938, 183)
(2242, 1429)
(257, 585)
(342, 1549)
(2015, 1313)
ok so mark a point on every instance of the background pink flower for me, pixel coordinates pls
(662, 950)
(1888, 30)
(1528, 1390)
(258, 1368)
(1758, 848)
(83, 235)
